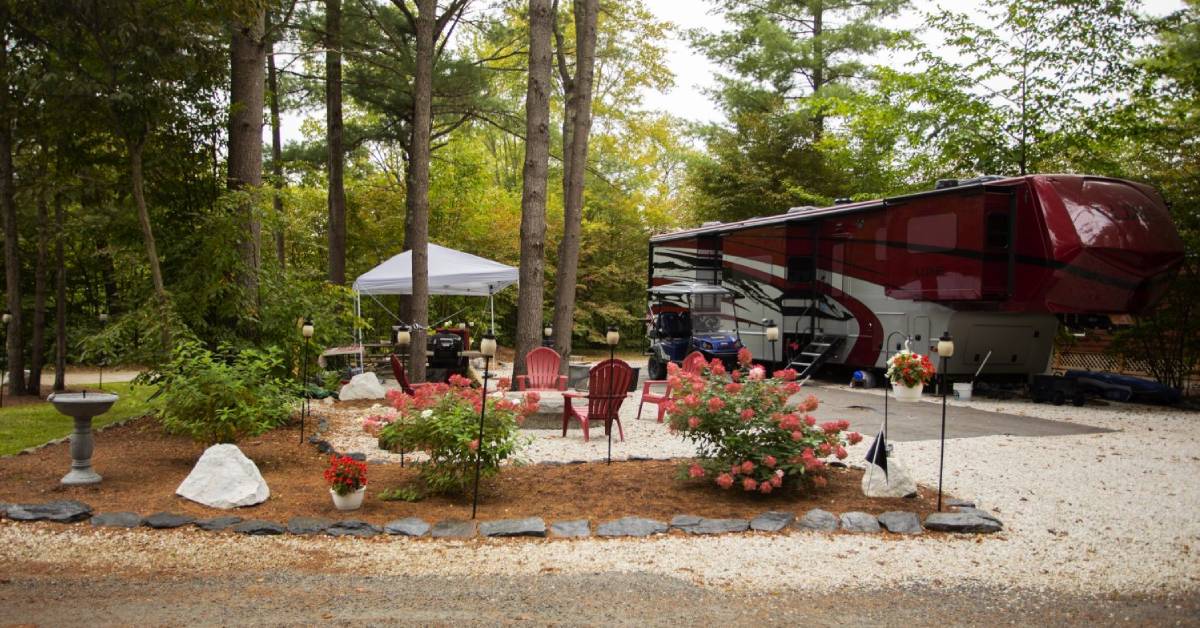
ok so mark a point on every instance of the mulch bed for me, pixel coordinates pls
(142, 467)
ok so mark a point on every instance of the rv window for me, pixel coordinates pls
(800, 268)
(997, 231)
(932, 234)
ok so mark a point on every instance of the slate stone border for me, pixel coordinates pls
(962, 518)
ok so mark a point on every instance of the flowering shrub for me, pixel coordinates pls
(910, 369)
(443, 421)
(345, 475)
(747, 433)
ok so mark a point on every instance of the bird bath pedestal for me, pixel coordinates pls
(82, 407)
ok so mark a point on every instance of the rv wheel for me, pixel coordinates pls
(656, 369)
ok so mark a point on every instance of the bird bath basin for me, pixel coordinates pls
(82, 407)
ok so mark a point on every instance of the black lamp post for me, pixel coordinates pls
(104, 354)
(7, 318)
(487, 347)
(403, 340)
(306, 330)
(613, 338)
(945, 349)
(772, 337)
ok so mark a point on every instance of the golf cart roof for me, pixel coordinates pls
(688, 287)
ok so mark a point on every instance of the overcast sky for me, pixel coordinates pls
(694, 72)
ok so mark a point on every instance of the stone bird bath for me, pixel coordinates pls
(82, 407)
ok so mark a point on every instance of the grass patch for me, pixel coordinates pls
(37, 423)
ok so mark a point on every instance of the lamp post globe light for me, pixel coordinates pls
(612, 338)
(772, 336)
(306, 330)
(487, 347)
(945, 349)
(547, 332)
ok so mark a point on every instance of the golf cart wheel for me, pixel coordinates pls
(1058, 398)
(656, 369)
(1079, 400)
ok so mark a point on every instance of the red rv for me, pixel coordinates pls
(997, 262)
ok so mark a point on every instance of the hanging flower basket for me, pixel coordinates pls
(909, 372)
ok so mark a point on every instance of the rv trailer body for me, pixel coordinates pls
(994, 262)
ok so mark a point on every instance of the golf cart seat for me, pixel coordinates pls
(674, 324)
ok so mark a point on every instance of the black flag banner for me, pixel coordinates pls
(877, 453)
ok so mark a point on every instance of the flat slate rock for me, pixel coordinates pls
(772, 521)
(683, 522)
(954, 502)
(901, 522)
(960, 522)
(574, 528)
(259, 527)
(530, 526)
(308, 525)
(631, 526)
(357, 455)
(982, 514)
(859, 522)
(217, 524)
(352, 527)
(117, 520)
(719, 526)
(164, 520)
(453, 529)
(409, 526)
(62, 511)
(817, 519)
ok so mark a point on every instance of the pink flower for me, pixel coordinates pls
(744, 356)
(715, 404)
(831, 427)
(749, 484)
(747, 467)
(736, 376)
(841, 453)
(757, 374)
(674, 381)
(777, 480)
(843, 424)
(747, 414)
(693, 422)
(825, 449)
(810, 403)
(459, 381)
(473, 445)
(855, 438)
(797, 435)
(809, 420)
(695, 471)
(733, 388)
(769, 461)
(725, 480)
(504, 383)
(672, 368)
(786, 375)
(691, 401)
(791, 388)
(765, 488)
(717, 367)
(735, 469)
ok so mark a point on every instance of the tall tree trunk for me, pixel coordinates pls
(37, 347)
(419, 187)
(818, 76)
(8, 208)
(333, 119)
(575, 143)
(136, 181)
(247, 66)
(60, 299)
(276, 156)
(533, 190)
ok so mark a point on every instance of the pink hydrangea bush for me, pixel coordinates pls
(747, 433)
(443, 421)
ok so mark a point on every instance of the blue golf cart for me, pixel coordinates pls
(686, 317)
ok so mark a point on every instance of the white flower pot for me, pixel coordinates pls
(349, 501)
(907, 393)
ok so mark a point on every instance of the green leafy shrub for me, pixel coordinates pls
(443, 421)
(213, 400)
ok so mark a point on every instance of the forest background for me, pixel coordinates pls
(148, 195)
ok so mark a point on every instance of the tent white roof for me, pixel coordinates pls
(450, 272)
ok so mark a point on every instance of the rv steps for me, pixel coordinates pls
(815, 353)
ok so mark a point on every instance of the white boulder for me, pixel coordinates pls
(897, 482)
(224, 478)
(362, 386)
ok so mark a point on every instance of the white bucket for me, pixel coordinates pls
(962, 391)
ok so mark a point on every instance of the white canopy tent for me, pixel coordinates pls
(450, 272)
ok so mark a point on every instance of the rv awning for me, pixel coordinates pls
(688, 287)
(450, 272)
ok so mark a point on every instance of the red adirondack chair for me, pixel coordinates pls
(692, 363)
(608, 385)
(402, 376)
(541, 366)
